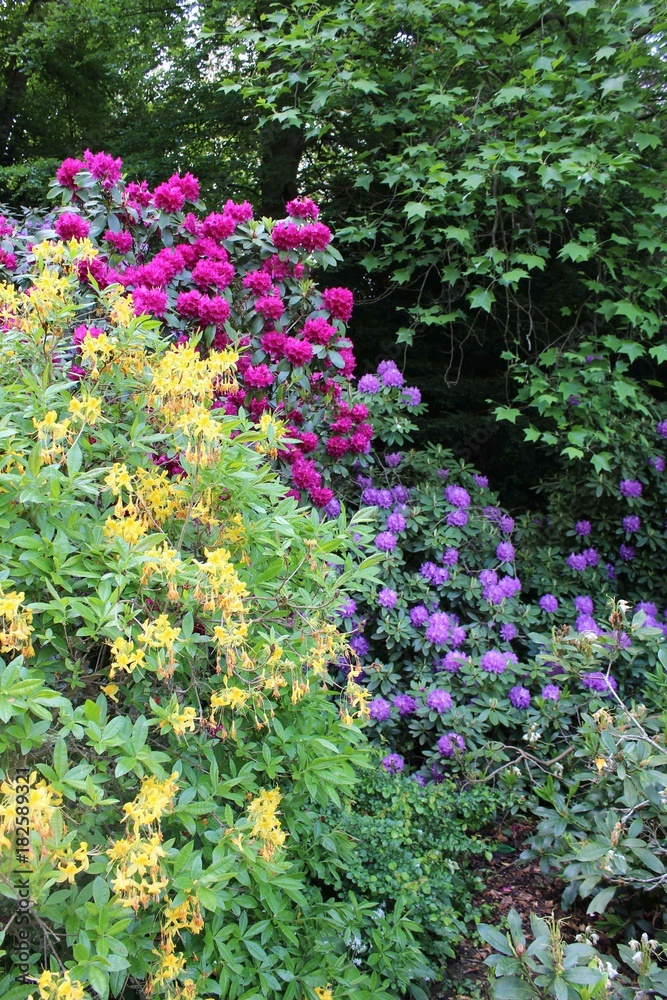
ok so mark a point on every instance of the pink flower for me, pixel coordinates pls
(169, 197)
(84, 331)
(207, 273)
(122, 241)
(103, 167)
(6, 228)
(258, 376)
(319, 331)
(338, 302)
(308, 441)
(187, 303)
(315, 236)
(239, 213)
(149, 300)
(67, 171)
(7, 259)
(259, 282)
(219, 227)
(273, 343)
(299, 352)
(321, 495)
(286, 236)
(302, 208)
(270, 306)
(70, 226)
(337, 447)
(138, 195)
(213, 310)
(305, 475)
(188, 184)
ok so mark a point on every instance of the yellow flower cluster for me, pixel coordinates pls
(43, 802)
(157, 634)
(262, 813)
(165, 562)
(182, 389)
(219, 588)
(138, 876)
(273, 431)
(355, 701)
(170, 964)
(59, 987)
(71, 863)
(53, 435)
(154, 798)
(139, 879)
(88, 409)
(15, 624)
(125, 657)
(324, 992)
(152, 499)
(180, 721)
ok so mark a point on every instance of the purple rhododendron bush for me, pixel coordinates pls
(250, 638)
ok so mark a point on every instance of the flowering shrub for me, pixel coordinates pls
(458, 662)
(226, 279)
(605, 513)
(169, 737)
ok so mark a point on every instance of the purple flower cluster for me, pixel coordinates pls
(457, 518)
(495, 589)
(387, 598)
(386, 541)
(457, 496)
(494, 661)
(583, 604)
(450, 557)
(508, 631)
(419, 615)
(452, 662)
(377, 498)
(439, 628)
(396, 522)
(551, 692)
(519, 696)
(599, 683)
(505, 552)
(404, 704)
(393, 763)
(450, 743)
(632, 522)
(390, 374)
(436, 575)
(379, 709)
(630, 488)
(369, 384)
(393, 459)
(582, 528)
(439, 701)
(548, 603)
(413, 396)
(627, 552)
(580, 561)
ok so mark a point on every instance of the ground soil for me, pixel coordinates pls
(509, 883)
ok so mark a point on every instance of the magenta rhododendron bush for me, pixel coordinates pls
(223, 278)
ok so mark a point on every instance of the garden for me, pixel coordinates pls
(333, 496)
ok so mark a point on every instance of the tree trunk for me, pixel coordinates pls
(281, 152)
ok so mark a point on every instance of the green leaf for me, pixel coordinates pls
(495, 938)
(601, 900)
(481, 298)
(575, 252)
(506, 413)
(511, 988)
(416, 210)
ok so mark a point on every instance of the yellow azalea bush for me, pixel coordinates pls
(171, 734)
